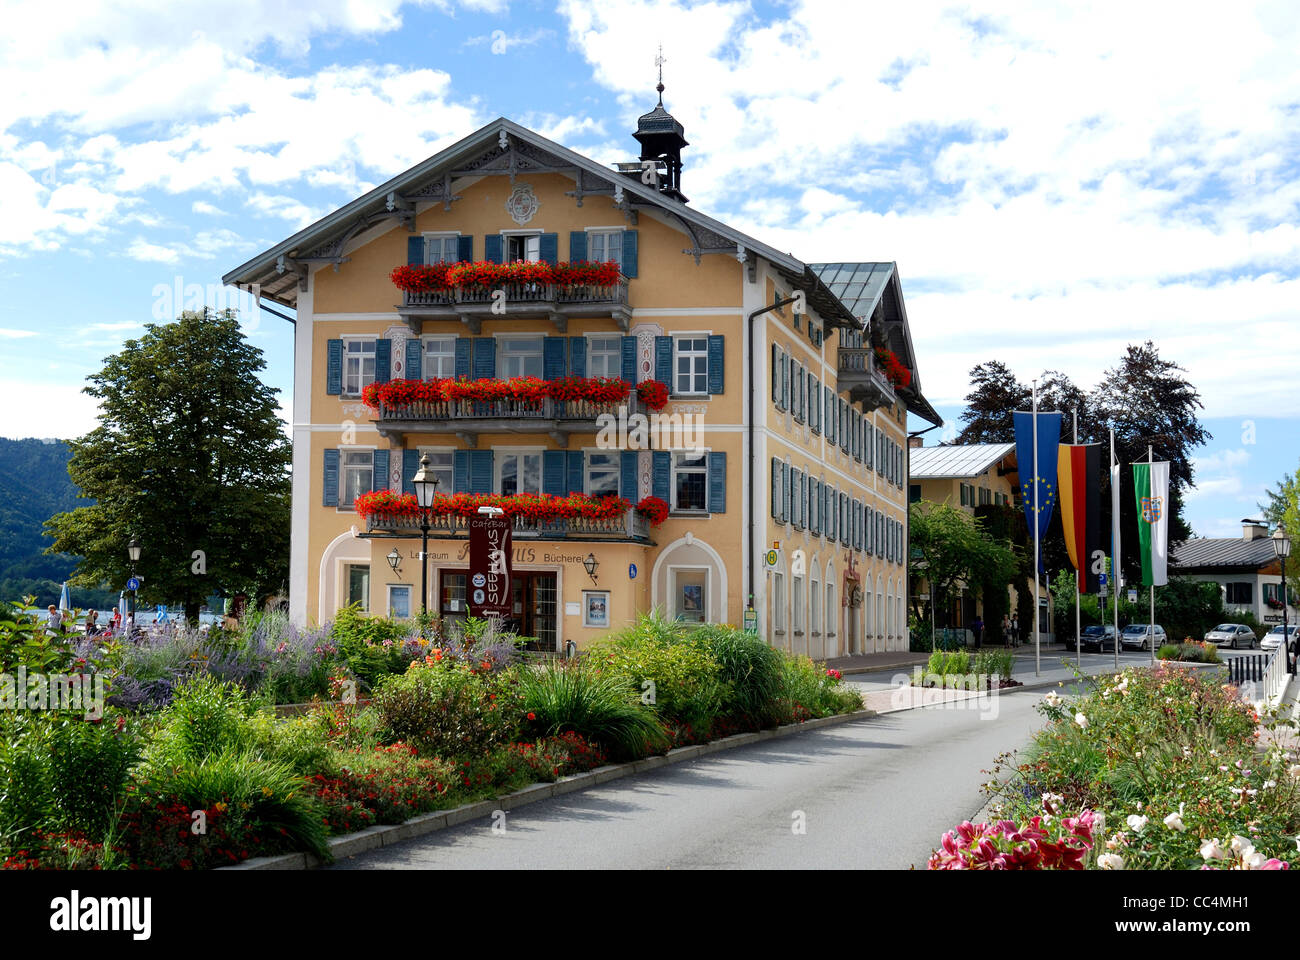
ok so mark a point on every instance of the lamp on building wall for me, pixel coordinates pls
(394, 558)
(1282, 547)
(590, 564)
(426, 487)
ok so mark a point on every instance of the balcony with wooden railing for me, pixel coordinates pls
(859, 373)
(553, 301)
(629, 525)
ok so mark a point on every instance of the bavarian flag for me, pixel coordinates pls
(1049, 436)
(1151, 486)
(1077, 468)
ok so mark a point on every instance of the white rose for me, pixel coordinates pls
(1175, 822)
(1137, 823)
(1110, 861)
(1081, 720)
(1210, 850)
(1253, 861)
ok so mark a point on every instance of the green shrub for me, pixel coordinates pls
(26, 803)
(206, 716)
(577, 697)
(680, 680)
(89, 764)
(809, 691)
(448, 709)
(750, 669)
(302, 741)
(1189, 652)
(1169, 651)
(261, 800)
(361, 642)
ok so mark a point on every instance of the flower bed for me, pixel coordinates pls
(1168, 766)
(415, 278)
(540, 507)
(1189, 651)
(527, 390)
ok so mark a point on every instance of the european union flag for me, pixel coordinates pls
(1049, 436)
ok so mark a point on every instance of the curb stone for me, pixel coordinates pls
(386, 835)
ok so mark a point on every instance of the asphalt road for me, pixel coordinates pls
(875, 793)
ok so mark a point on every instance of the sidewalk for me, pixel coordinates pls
(872, 662)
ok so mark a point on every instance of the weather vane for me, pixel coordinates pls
(659, 62)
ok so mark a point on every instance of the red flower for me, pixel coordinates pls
(420, 278)
(895, 371)
(525, 390)
(653, 509)
(653, 394)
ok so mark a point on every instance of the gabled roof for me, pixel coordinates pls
(956, 460)
(1223, 552)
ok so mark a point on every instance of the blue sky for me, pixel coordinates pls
(1052, 186)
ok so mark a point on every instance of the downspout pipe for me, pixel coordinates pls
(753, 389)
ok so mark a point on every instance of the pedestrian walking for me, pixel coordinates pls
(1015, 631)
(978, 627)
(1006, 630)
(54, 619)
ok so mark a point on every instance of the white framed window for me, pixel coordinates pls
(519, 473)
(832, 611)
(796, 605)
(523, 246)
(605, 245)
(358, 473)
(441, 247)
(604, 356)
(602, 474)
(441, 465)
(690, 365)
(357, 578)
(519, 357)
(439, 358)
(690, 481)
(815, 606)
(399, 600)
(358, 364)
(778, 603)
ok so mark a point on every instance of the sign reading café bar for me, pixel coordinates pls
(489, 566)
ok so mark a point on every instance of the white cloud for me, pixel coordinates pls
(499, 42)
(61, 403)
(205, 209)
(10, 334)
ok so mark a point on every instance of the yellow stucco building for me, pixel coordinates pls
(782, 426)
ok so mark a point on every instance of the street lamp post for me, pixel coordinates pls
(426, 487)
(1282, 547)
(133, 551)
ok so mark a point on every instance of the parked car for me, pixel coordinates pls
(1274, 637)
(1098, 638)
(1232, 635)
(1137, 635)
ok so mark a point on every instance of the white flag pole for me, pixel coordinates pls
(1114, 536)
(1038, 650)
(1078, 640)
(1151, 627)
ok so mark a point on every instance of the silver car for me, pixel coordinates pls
(1232, 635)
(1273, 638)
(1137, 635)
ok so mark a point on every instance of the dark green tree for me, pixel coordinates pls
(995, 395)
(950, 548)
(191, 458)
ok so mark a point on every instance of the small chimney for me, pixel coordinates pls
(1253, 529)
(915, 442)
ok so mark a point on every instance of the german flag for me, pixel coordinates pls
(1079, 494)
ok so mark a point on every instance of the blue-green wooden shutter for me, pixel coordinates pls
(493, 248)
(463, 347)
(485, 358)
(629, 360)
(787, 501)
(829, 403)
(334, 367)
(465, 248)
(776, 489)
(846, 520)
(802, 500)
(578, 356)
(814, 403)
(663, 469)
(869, 441)
(776, 375)
(814, 515)
(383, 360)
(869, 544)
(629, 253)
(480, 471)
(717, 359)
(414, 359)
(664, 361)
(577, 246)
(460, 471)
(627, 486)
(785, 381)
(576, 470)
(857, 516)
(548, 247)
(553, 358)
(718, 482)
(379, 470)
(414, 251)
(330, 484)
(410, 464)
(553, 473)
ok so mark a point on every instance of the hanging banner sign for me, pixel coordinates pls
(489, 566)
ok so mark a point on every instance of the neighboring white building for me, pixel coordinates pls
(1246, 569)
